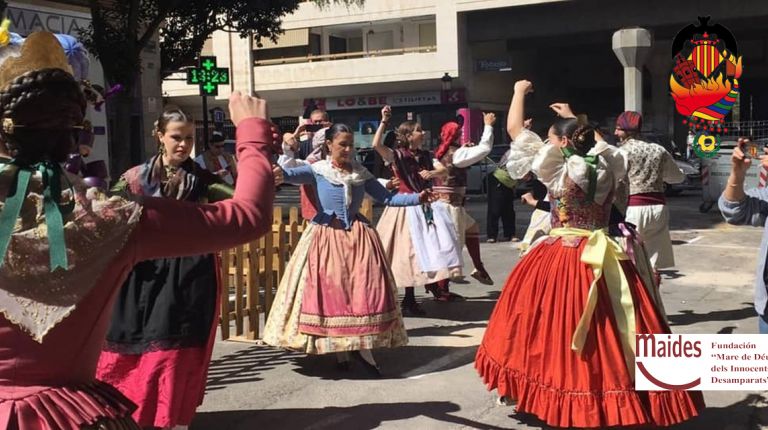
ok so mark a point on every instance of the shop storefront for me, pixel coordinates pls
(363, 113)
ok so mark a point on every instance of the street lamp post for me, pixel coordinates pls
(445, 81)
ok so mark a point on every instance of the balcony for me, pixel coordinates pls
(354, 53)
(345, 55)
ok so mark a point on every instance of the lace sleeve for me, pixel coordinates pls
(522, 152)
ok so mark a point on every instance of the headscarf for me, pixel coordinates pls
(448, 134)
(630, 121)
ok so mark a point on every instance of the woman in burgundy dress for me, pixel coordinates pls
(67, 249)
(420, 241)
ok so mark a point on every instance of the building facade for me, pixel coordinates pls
(352, 60)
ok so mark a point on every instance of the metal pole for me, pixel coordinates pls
(205, 122)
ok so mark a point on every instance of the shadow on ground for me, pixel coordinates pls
(244, 366)
(360, 417)
(474, 308)
(688, 317)
(399, 363)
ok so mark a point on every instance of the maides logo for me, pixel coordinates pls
(665, 346)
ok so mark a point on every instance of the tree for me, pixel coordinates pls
(121, 29)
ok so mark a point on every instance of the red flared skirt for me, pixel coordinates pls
(526, 351)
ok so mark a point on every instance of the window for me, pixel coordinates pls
(428, 34)
(338, 45)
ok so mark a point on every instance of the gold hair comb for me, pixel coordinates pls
(9, 126)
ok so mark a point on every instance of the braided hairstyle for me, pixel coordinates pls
(402, 133)
(581, 135)
(47, 103)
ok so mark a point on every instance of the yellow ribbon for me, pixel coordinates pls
(5, 35)
(604, 255)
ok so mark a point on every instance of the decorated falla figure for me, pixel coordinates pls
(66, 248)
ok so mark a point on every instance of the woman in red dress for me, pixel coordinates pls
(560, 341)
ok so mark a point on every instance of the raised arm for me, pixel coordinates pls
(738, 207)
(469, 155)
(378, 139)
(176, 228)
(516, 114)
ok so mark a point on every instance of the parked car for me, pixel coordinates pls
(478, 173)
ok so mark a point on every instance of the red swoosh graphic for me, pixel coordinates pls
(664, 385)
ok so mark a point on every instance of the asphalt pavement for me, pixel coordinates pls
(431, 383)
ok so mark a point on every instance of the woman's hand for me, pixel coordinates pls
(528, 123)
(242, 107)
(523, 87)
(528, 199)
(277, 173)
(386, 114)
(489, 118)
(427, 196)
(393, 183)
(563, 110)
(427, 174)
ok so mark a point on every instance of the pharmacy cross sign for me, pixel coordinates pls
(208, 77)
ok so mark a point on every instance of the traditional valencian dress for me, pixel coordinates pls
(53, 323)
(338, 293)
(451, 189)
(561, 338)
(160, 340)
(420, 241)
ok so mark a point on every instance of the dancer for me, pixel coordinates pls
(420, 242)
(560, 339)
(452, 161)
(650, 166)
(161, 337)
(338, 294)
(67, 249)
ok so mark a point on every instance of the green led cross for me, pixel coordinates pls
(207, 76)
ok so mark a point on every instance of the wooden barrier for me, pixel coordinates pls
(252, 272)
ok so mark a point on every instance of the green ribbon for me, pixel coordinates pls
(54, 210)
(591, 161)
